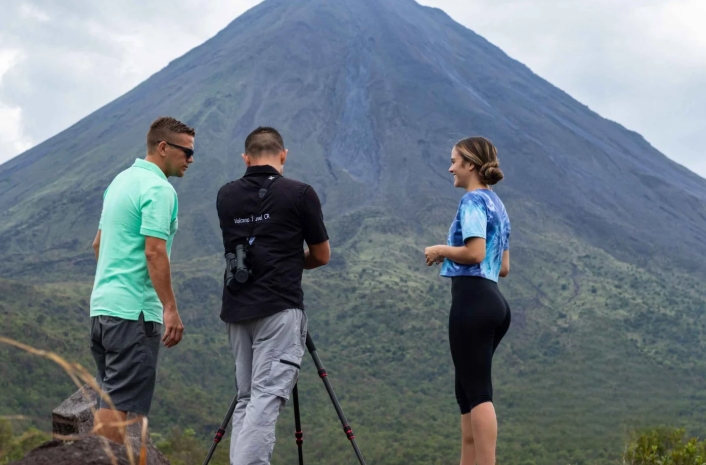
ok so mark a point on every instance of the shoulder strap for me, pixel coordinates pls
(261, 194)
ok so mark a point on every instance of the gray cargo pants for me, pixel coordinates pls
(268, 354)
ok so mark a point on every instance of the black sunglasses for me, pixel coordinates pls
(187, 151)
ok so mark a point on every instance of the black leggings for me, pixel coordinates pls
(479, 318)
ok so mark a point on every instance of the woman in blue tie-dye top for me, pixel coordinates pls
(476, 254)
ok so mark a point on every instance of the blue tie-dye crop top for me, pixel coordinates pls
(481, 213)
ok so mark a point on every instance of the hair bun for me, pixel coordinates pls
(490, 173)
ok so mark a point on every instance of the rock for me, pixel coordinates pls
(74, 417)
(91, 450)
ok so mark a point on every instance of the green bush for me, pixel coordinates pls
(664, 446)
(13, 447)
(184, 448)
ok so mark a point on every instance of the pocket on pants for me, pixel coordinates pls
(283, 375)
(303, 329)
(152, 329)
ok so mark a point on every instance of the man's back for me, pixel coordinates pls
(290, 215)
(264, 316)
(139, 202)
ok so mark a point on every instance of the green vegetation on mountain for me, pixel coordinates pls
(14, 446)
(596, 350)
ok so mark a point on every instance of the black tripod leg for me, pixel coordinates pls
(298, 425)
(324, 377)
(222, 430)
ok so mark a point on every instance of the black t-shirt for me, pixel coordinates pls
(289, 216)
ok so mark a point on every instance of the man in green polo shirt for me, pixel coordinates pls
(132, 293)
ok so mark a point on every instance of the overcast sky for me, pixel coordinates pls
(641, 63)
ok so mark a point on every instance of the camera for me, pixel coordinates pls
(237, 271)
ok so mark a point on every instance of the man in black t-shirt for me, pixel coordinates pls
(272, 216)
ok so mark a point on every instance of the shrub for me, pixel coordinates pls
(15, 447)
(663, 446)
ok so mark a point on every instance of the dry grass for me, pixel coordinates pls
(81, 377)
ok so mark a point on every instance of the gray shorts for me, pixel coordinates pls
(126, 352)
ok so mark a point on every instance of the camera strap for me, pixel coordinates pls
(261, 194)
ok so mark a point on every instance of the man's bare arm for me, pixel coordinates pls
(160, 273)
(317, 255)
(97, 243)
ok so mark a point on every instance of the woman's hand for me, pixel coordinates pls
(433, 255)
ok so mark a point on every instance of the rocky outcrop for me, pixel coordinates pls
(74, 418)
(90, 450)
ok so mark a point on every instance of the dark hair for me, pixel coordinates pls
(264, 140)
(483, 154)
(164, 127)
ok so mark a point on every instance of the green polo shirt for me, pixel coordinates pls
(139, 202)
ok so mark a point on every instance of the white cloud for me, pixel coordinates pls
(29, 11)
(11, 134)
(12, 139)
(8, 59)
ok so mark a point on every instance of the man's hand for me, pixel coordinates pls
(173, 328)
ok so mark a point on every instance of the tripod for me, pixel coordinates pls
(299, 435)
